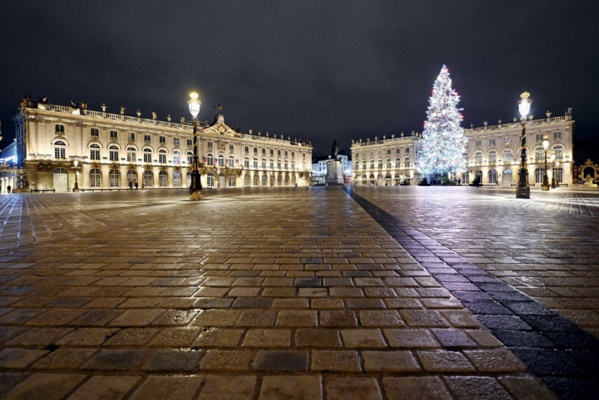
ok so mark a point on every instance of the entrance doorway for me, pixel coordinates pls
(60, 180)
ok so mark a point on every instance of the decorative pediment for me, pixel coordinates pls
(222, 129)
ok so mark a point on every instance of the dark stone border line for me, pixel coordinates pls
(564, 356)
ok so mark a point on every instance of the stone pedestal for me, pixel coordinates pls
(334, 172)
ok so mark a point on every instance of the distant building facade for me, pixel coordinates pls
(114, 151)
(385, 162)
(320, 168)
(492, 152)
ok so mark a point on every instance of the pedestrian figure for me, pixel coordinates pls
(8, 189)
(130, 185)
(135, 185)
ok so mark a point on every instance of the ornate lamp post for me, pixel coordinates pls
(76, 187)
(545, 184)
(555, 166)
(523, 190)
(552, 159)
(195, 189)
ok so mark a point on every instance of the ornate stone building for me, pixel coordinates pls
(388, 162)
(492, 152)
(110, 151)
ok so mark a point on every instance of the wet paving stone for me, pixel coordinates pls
(293, 292)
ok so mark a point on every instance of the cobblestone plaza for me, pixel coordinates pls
(300, 293)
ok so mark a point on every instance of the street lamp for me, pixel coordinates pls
(553, 186)
(523, 190)
(195, 189)
(545, 184)
(76, 187)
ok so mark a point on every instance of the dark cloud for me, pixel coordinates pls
(319, 70)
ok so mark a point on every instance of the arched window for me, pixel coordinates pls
(95, 178)
(479, 175)
(231, 180)
(176, 157)
(131, 157)
(147, 155)
(492, 177)
(162, 156)
(189, 156)
(279, 180)
(539, 172)
(263, 163)
(466, 177)
(406, 162)
(539, 154)
(162, 179)
(60, 149)
(264, 180)
(231, 161)
(371, 164)
(478, 158)
(380, 164)
(246, 180)
(255, 162)
(293, 165)
(558, 174)
(113, 152)
(115, 178)
(256, 179)
(397, 163)
(177, 179)
(272, 163)
(507, 156)
(148, 179)
(279, 163)
(210, 161)
(131, 177)
(388, 163)
(221, 160)
(286, 165)
(246, 163)
(559, 152)
(492, 158)
(210, 180)
(286, 180)
(357, 166)
(94, 151)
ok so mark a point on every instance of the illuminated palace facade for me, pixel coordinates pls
(113, 151)
(492, 152)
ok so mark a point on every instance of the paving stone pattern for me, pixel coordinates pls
(562, 354)
(258, 294)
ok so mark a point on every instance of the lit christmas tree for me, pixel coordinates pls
(443, 140)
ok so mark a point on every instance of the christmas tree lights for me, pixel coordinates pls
(443, 140)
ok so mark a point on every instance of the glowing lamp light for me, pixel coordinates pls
(524, 104)
(194, 104)
(552, 158)
(545, 144)
(76, 162)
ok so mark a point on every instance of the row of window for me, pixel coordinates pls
(492, 175)
(507, 155)
(113, 155)
(114, 179)
(397, 151)
(407, 164)
(557, 136)
(95, 135)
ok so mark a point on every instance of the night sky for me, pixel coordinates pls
(319, 70)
